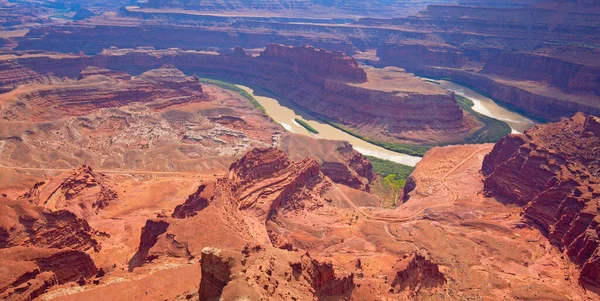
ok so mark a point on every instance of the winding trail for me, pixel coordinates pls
(422, 210)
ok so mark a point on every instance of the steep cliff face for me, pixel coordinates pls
(23, 224)
(41, 248)
(216, 273)
(318, 61)
(258, 273)
(265, 182)
(195, 202)
(534, 99)
(34, 270)
(568, 76)
(260, 187)
(351, 169)
(539, 47)
(552, 172)
(413, 273)
(414, 55)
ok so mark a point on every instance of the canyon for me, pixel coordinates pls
(329, 85)
(505, 49)
(140, 160)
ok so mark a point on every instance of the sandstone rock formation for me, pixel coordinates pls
(259, 187)
(81, 191)
(318, 61)
(27, 225)
(257, 273)
(40, 248)
(195, 202)
(339, 161)
(415, 272)
(34, 270)
(552, 172)
(529, 69)
(160, 87)
(266, 183)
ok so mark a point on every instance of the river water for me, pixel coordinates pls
(280, 111)
(488, 107)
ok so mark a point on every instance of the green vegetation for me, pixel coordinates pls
(306, 126)
(432, 81)
(385, 168)
(236, 89)
(493, 129)
(413, 150)
(393, 179)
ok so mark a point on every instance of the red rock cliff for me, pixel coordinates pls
(259, 273)
(553, 172)
(318, 61)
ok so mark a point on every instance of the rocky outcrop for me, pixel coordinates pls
(415, 55)
(155, 242)
(24, 224)
(81, 191)
(41, 248)
(195, 202)
(265, 182)
(568, 76)
(321, 62)
(274, 274)
(34, 270)
(413, 273)
(216, 273)
(161, 88)
(552, 171)
(261, 186)
(91, 71)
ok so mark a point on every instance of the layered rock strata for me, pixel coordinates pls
(552, 171)
(257, 273)
(161, 87)
(334, 88)
(339, 161)
(259, 187)
(80, 190)
(34, 270)
(24, 224)
(40, 248)
(415, 272)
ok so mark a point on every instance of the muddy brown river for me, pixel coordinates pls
(486, 106)
(282, 113)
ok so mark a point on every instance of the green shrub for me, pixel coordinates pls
(492, 130)
(236, 89)
(386, 168)
(306, 126)
(409, 149)
(393, 179)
